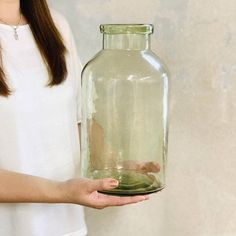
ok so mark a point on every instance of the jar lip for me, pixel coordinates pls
(126, 28)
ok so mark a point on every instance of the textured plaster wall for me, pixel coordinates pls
(197, 40)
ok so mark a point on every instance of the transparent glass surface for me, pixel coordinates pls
(125, 113)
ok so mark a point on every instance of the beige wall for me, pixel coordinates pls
(197, 40)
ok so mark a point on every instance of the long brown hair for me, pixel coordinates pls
(48, 40)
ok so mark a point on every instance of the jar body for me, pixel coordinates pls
(125, 120)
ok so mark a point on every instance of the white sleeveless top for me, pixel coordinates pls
(38, 132)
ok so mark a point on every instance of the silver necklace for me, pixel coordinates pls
(14, 27)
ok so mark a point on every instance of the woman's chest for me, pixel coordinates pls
(27, 78)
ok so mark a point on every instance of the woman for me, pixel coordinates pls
(39, 121)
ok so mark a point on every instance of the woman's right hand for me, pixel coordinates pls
(85, 192)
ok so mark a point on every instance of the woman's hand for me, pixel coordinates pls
(85, 192)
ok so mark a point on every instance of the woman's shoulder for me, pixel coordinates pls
(61, 24)
(67, 35)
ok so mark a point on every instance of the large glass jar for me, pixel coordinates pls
(125, 112)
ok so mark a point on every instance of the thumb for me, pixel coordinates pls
(102, 184)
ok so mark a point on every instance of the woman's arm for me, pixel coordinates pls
(21, 188)
(15, 187)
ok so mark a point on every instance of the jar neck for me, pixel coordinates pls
(126, 41)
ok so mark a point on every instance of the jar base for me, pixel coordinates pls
(127, 194)
(131, 182)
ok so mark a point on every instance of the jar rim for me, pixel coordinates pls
(126, 28)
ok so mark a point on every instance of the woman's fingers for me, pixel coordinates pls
(149, 167)
(153, 167)
(106, 200)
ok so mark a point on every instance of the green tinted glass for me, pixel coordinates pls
(126, 29)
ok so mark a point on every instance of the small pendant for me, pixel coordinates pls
(15, 33)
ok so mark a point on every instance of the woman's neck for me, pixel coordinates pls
(10, 11)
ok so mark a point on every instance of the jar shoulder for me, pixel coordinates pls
(125, 62)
